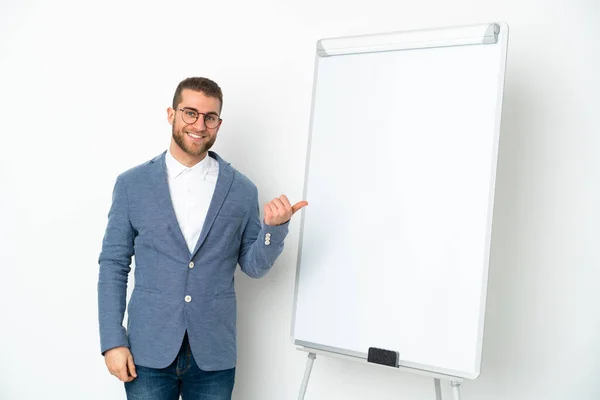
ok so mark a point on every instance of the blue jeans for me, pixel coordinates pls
(183, 377)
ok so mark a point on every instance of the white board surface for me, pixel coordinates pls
(400, 179)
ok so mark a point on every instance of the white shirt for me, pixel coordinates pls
(191, 193)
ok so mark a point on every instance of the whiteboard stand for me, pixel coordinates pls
(455, 382)
(415, 117)
(456, 390)
(309, 364)
(438, 388)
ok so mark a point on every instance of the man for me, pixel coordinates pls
(189, 218)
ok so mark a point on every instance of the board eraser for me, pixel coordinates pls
(383, 357)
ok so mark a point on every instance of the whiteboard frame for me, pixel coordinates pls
(494, 33)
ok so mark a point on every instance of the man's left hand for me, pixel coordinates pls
(279, 210)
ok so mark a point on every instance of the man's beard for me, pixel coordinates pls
(194, 151)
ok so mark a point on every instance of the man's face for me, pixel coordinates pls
(194, 139)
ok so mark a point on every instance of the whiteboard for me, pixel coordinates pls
(401, 167)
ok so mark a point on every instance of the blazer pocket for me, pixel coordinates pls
(226, 295)
(145, 289)
(224, 314)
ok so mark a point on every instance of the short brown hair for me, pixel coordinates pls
(204, 85)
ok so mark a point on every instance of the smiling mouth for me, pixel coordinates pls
(195, 137)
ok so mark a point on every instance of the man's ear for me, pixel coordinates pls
(170, 115)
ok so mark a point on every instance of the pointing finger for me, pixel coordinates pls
(298, 206)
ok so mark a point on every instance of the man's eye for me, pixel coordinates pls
(190, 114)
(211, 118)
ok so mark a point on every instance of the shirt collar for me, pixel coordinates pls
(175, 168)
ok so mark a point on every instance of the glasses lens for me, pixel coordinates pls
(189, 116)
(211, 120)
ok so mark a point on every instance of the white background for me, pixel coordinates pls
(84, 88)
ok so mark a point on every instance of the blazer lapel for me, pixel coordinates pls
(158, 175)
(224, 181)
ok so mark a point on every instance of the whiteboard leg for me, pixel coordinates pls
(438, 389)
(456, 390)
(309, 364)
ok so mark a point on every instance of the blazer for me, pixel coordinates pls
(176, 291)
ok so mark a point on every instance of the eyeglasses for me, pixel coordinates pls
(190, 116)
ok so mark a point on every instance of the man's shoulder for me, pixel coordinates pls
(243, 180)
(239, 179)
(140, 171)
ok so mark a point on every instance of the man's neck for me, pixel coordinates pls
(183, 157)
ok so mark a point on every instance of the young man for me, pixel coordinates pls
(189, 218)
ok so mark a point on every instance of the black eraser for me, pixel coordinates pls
(383, 357)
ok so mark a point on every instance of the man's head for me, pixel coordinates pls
(195, 118)
(204, 85)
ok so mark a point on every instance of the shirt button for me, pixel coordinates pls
(188, 298)
(191, 264)
(267, 242)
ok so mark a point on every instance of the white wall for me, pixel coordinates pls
(83, 92)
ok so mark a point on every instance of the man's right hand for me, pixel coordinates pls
(120, 363)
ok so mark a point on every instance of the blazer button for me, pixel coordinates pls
(191, 264)
(188, 298)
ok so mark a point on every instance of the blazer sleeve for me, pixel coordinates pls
(261, 243)
(115, 264)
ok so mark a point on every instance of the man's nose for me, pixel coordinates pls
(199, 124)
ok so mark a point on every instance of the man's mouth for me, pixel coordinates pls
(194, 136)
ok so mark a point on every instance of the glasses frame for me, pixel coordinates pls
(204, 115)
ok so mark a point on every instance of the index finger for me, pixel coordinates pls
(285, 201)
